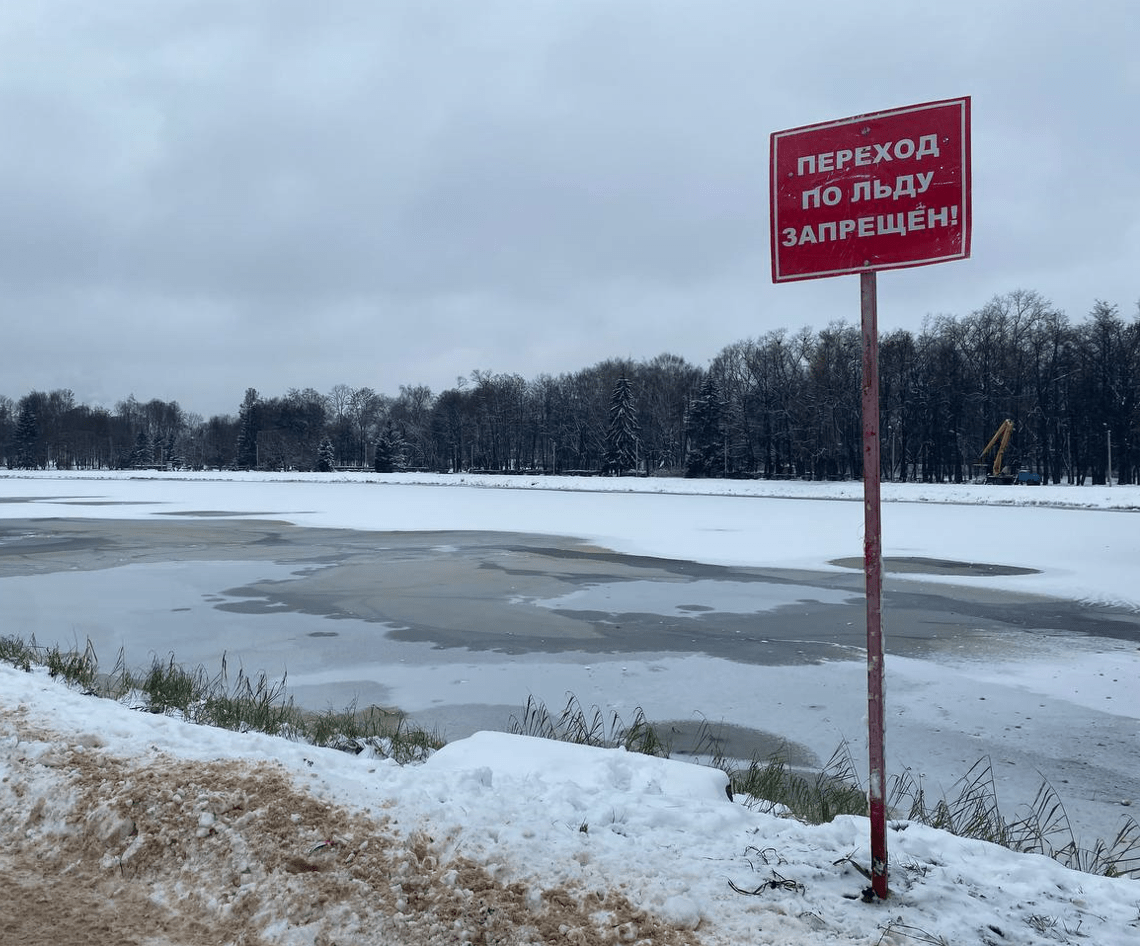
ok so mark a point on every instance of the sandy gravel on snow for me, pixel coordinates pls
(98, 850)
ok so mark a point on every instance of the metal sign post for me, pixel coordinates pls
(880, 191)
(873, 567)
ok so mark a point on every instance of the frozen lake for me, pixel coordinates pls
(459, 627)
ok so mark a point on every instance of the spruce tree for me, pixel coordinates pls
(249, 423)
(623, 430)
(390, 449)
(326, 457)
(27, 435)
(383, 462)
(142, 455)
(705, 431)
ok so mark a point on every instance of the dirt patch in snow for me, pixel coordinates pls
(97, 849)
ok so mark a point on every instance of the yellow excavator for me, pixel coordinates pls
(1000, 475)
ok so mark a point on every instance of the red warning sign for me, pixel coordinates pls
(880, 191)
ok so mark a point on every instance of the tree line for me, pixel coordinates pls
(785, 404)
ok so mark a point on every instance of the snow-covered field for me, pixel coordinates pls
(205, 837)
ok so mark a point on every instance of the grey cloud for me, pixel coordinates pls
(519, 186)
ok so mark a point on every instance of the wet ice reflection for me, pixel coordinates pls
(689, 598)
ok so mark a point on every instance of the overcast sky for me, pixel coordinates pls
(200, 197)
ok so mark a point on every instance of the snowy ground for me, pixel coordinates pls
(199, 836)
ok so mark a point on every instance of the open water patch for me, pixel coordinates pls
(916, 565)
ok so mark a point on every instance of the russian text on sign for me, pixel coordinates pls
(830, 196)
(872, 225)
(875, 189)
(902, 149)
